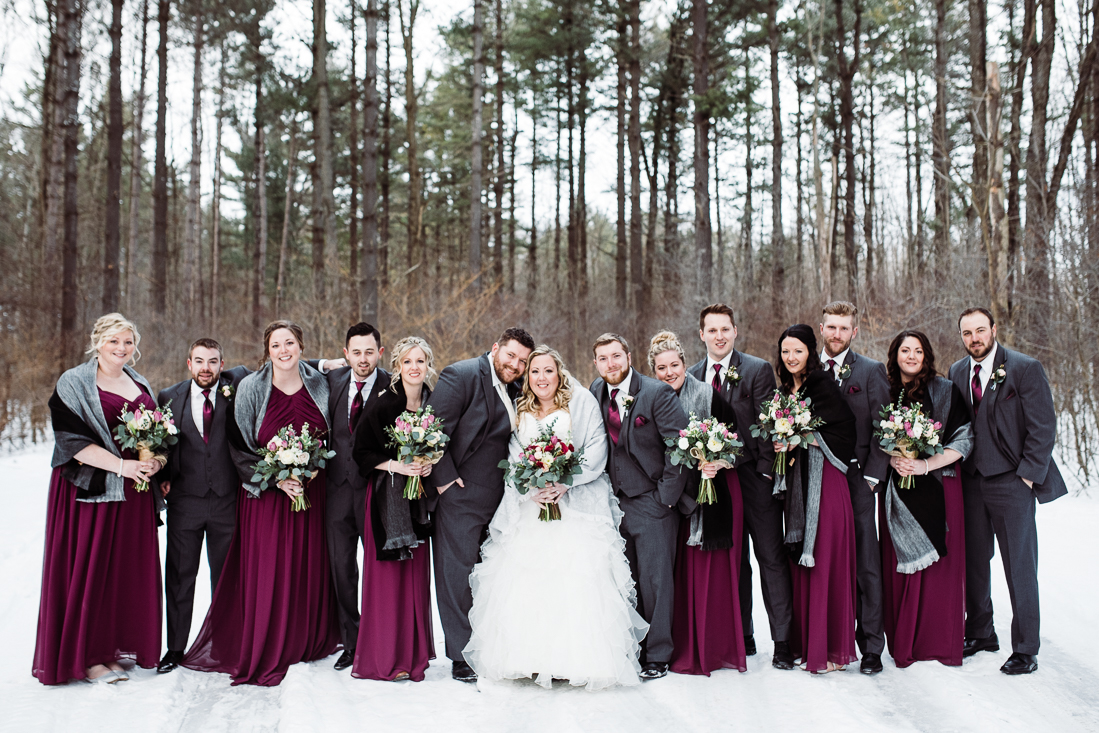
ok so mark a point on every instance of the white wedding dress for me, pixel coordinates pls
(555, 600)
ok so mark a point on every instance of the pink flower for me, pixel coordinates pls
(682, 433)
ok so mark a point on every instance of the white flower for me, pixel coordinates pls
(783, 426)
(172, 429)
(917, 430)
(803, 418)
(303, 458)
(714, 445)
(684, 443)
(418, 433)
(934, 439)
(145, 421)
(287, 456)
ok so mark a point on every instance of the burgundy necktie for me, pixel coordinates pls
(207, 415)
(832, 367)
(614, 419)
(356, 406)
(716, 382)
(976, 386)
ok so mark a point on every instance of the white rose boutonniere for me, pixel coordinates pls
(732, 376)
(627, 405)
(845, 372)
(227, 391)
(998, 376)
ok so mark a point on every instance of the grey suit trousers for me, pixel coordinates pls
(869, 610)
(1001, 508)
(763, 523)
(345, 513)
(649, 529)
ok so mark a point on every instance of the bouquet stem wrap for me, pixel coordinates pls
(145, 453)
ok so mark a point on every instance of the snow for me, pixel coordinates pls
(1062, 696)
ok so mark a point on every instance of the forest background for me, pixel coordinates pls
(449, 169)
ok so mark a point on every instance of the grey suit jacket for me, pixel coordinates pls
(1015, 427)
(866, 390)
(757, 384)
(342, 469)
(638, 463)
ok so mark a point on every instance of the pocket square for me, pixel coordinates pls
(640, 421)
(1010, 395)
(854, 389)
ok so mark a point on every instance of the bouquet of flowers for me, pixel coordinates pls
(787, 420)
(906, 432)
(146, 431)
(704, 441)
(292, 455)
(419, 438)
(545, 460)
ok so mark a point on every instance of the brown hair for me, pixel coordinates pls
(518, 335)
(977, 309)
(206, 343)
(717, 309)
(109, 325)
(841, 308)
(661, 342)
(917, 388)
(609, 338)
(275, 326)
(528, 401)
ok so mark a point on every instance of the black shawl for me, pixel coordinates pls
(717, 518)
(370, 449)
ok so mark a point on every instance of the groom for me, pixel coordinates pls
(639, 413)
(474, 400)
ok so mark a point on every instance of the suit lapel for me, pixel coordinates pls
(337, 398)
(848, 360)
(491, 395)
(628, 418)
(381, 381)
(727, 388)
(989, 397)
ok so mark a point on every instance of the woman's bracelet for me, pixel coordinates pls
(121, 465)
(389, 466)
(926, 467)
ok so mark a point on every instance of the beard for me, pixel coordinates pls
(616, 378)
(504, 374)
(980, 351)
(206, 380)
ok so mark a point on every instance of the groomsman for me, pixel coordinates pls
(639, 413)
(865, 385)
(474, 399)
(1011, 466)
(745, 382)
(200, 486)
(350, 388)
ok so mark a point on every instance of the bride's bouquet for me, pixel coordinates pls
(786, 420)
(147, 431)
(704, 441)
(906, 432)
(545, 460)
(419, 438)
(292, 455)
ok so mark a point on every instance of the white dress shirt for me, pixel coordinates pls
(988, 365)
(502, 390)
(352, 390)
(824, 357)
(710, 363)
(197, 398)
(623, 388)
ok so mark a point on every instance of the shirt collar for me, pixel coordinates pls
(623, 387)
(366, 382)
(724, 362)
(840, 358)
(196, 391)
(989, 359)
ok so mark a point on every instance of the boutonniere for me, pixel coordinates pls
(732, 376)
(845, 372)
(627, 404)
(227, 391)
(997, 377)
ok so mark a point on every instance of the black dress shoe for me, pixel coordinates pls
(1020, 664)
(988, 644)
(346, 660)
(749, 645)
(871, 663)
(784, 658)
(462, 672)
(653, 670)
(170, 661)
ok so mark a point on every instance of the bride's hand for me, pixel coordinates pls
(551, 494)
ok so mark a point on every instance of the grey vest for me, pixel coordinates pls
(986, 457)
(204, 467)
(342, 470)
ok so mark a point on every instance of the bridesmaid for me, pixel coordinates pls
(924, 562)
(274, 605)
(100, 599)
(706, 625)
(395, 636)
(820, 525)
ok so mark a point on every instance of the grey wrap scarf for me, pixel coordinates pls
(696, 397)
(803, 507)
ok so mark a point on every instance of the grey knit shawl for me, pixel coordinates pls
(804, 519)
(78, 390)
(697, 399)
(249, 406)
(914, 550)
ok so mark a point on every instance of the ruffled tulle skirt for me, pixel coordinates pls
(555, 600)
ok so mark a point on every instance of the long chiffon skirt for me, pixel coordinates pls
(824, 595)
(395, 625)
(925, 611)
(706, 627)
(101, 597)
(274, 605)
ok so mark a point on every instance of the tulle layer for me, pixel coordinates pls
(555, 600)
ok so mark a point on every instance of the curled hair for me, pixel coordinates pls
(111, 325)
(804, 334)
(609, 338)
(401, 348)
(528, 401)
(275, 326)
(661, 342)
(917, 388)
(518, 335)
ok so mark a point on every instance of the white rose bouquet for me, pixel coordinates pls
(292, 455)
(147, 431)
(906, 432)
(786, 420)
(545, 460)
(704, 441)
(419, 438)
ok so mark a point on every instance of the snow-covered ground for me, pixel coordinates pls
(1062, 696)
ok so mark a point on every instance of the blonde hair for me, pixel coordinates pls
(402, 347)
(841, 308)
(661, 342)
(111, 325)
(528, 401)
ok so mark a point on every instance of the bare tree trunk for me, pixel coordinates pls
(824, 229)
(192, 235)
(1015, 137)
(996, 241)
(136, 165)
(637, 283)
(978, 20)
(498, 179)
(415, 175)
(158, 286)
(557, 191)
(324, 205)
(703, 244)
(1036, 245)
(477, 162)
(52, 180)
(368, 276)
(532, 249)
(114, 166)
(799, 119)
(354, 161)
(259, 252)
(778, 239)
(621, 244)
(941, 146)
(869, 186)
(215, 205)
(287, 212)
(511, 201)
(846, 75)
(387, 134)
(581, 194)
(748, 276)
(70, 130)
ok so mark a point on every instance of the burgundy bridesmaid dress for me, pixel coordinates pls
(707, 630)
(395, 633)
(925, 611)
(101, 593)
(824, 595)
(274, 605)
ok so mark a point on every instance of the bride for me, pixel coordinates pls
(555, 600)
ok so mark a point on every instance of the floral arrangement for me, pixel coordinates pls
(786, 420)
(290, 454)
(546, 460)
(704, 441)
(419, 438)
(906, 432)
(998, 376)
(146, 431)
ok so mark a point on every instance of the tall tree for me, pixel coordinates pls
(778, 239)
(978, 116)
(215, 204)
(159, 284)
(476, 163)
(368, 275)
(498, 178)
(259, 210)
(354, 161)
(701, 58)
(415, 174)
(1036, 241)
(136, 163)
(324, 203)
(70, 130)
(846, 72)
(114, 165)
(621, 243)
(637, 283)
(940, 144)
(192, 234)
